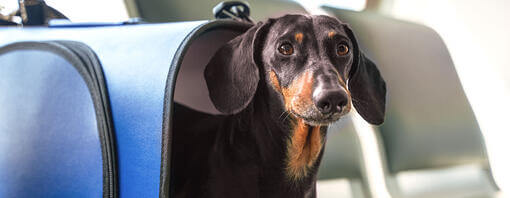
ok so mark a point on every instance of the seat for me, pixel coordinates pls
(183, 10)
(432, 144)
(341, 173)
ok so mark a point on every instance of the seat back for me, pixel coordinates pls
(341, 173)
(429, 122)
(432, 142)
(342, 154)
(184, 10)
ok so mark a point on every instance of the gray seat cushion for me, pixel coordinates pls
(341, 170)
(342, 155)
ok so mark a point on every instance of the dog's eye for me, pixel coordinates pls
(286, 49)
(342, 49)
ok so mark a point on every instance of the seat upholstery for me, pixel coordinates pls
(429, 122)
(342, 154)
(341, 172)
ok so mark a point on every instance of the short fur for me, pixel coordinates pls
(270, 141)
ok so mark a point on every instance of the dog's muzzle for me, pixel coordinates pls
(330, 99)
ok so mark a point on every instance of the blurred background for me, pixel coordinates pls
(446, 63)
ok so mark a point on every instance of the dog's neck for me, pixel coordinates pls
(284, 141)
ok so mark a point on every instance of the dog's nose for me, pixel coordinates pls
(330, 101)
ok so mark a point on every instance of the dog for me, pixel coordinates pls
(279, 85)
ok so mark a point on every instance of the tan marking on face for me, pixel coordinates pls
(349, 102)
(303, 148)
(331, 34)
(298, 95)
(305, 143)
(298, 37)
(274, 81)
(340, 80)
(343, 84)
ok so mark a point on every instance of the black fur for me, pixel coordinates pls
(232, 80)
(367, 87)
(243, 153)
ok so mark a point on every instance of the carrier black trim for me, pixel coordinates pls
(166, 183)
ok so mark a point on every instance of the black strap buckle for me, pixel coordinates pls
(236, 10)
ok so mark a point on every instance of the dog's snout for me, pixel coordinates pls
(330, 101)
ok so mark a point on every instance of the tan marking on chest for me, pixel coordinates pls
(303, 148)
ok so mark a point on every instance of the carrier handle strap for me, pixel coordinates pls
(236, 10)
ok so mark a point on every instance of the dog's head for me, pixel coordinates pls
(313, 62)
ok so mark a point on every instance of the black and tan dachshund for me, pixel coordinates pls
(280, 85)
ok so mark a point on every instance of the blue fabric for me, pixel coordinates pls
(49, 140)
(136, 60)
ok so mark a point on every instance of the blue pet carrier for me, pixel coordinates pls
(85, 111)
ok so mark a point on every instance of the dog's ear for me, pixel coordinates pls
(367, 87)
(232, 75)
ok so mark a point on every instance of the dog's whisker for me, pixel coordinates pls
(282, 118)
(281, 114)
(288, 114)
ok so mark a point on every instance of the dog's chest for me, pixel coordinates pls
(240, 171)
